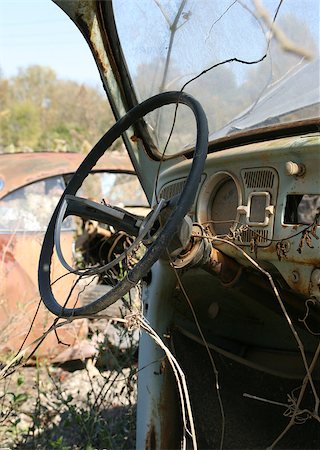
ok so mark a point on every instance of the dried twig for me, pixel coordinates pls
(214, 367)
(296, 411)
(308, 369)
(137, 320)
(283, 40)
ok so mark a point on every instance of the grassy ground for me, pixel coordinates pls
(47, 407)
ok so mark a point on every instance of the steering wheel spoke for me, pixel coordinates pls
(118, 218)
(146, 230)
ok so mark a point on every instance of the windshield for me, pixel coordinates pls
(249, 63)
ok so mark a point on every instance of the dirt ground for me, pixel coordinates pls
(76, 405)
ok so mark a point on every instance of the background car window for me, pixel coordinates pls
(117, 189)
(30, 208)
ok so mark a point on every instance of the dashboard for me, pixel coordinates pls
(265, 199)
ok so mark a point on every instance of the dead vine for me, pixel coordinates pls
(293, 411)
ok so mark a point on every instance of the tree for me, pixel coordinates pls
(38, 111)
(20, 127)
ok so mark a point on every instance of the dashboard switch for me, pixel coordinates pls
(295, 169)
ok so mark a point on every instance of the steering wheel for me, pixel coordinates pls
(70, 203)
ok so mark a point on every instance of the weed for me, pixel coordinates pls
(49, 407)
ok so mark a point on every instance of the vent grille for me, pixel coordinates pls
(259, 178)
(261, 236)
(172, 189)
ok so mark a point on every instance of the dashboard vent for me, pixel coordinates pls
(259, 178)
(261, 236)
(170, 190)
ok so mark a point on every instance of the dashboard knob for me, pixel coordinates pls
(296, 169)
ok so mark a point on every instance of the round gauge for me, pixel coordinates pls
(224, 207)
(218, 203)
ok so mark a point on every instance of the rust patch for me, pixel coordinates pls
(151, 440)
(169, 411)
(227, 269)
(31, 167)
(87, 16)
(19, 298)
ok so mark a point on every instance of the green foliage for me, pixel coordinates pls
(39, 112)
(21, 126)
(58, 443)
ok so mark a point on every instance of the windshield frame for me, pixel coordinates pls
(118, 63)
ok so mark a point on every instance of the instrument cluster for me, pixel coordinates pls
(265, 199)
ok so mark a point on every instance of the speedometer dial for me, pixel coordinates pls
(218, 203)
(224, 207)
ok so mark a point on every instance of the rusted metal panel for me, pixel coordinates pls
(30, 167)
(19, 299)
(19, 255)
(169, 410)
(151, 440)
(158, 409)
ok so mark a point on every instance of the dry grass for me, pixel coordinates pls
(63, 408)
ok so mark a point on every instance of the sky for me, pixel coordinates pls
(39, 32)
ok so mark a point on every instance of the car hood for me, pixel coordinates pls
(31, 167)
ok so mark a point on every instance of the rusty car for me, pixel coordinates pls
(217, 104)
(30, 187)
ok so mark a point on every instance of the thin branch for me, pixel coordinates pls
(308, 369)
(219, 18)
(301, 394)
(283, 40)
(180, 377)
(173, 29)
(214, 367)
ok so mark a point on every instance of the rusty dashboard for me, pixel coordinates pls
(265, 199)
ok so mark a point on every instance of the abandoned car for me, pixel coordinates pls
(217, 103)
(25, 181)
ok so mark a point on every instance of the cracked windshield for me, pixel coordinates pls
(249, 63)
(159, 271)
